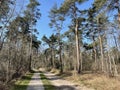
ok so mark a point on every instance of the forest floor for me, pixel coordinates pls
(20, 83)
(96, 81)
(66, 81)
(50, 81)
(62, 84)
(84, 81)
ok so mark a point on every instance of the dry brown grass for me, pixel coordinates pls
(55, 71)
(97, 81)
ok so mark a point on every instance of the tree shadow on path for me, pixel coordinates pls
(65, 87)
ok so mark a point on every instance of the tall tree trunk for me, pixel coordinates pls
(30, 61)
(110, 64)
(80, 53)
(52, 57)
(95, 53)
(61, 63)
(81, 61)
(115, 67)
(77, 47)
(8, 65)
(101, 52)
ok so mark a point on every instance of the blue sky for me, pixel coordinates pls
(43, 23)
(45, 7)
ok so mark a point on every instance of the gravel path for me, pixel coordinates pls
(62, 84)
(35, 83)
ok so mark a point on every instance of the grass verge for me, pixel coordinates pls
(46, 83)
(96, 81)
(22, 83)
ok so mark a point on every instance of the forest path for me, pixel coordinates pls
(35, 83)
(62, 84)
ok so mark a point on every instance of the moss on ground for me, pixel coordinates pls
(46, 83)
(22, 83)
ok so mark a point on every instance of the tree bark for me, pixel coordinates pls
(77, 47)
(102, 56)
(61, 63)
(115, 67)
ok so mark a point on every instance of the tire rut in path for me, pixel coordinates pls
(35, 83)
(62, 84)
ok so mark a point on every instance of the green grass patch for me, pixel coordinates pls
(23, 82)
(46, 83)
